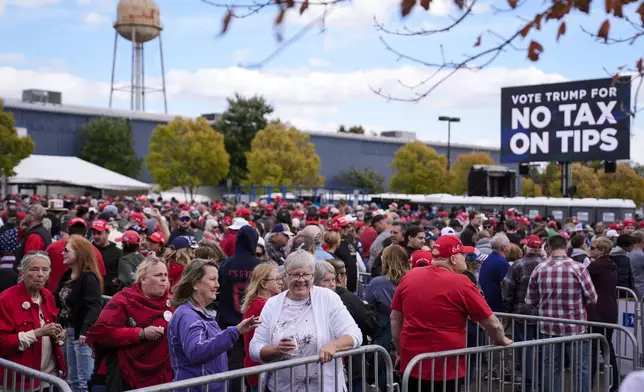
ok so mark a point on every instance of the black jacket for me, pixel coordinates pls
(111, 257)
(36, 230)
(347, 253)
(467, 234)
(603, 273)
(623, 263)
(84, 301)
(365, 316)
(8, 278)
(234, 274)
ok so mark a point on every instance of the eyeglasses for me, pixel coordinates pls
(278, 279)
(184, 219)
(301, 276)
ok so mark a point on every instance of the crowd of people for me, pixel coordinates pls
(202, 288)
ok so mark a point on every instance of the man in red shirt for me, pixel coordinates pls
(76, 226)
(418, 328)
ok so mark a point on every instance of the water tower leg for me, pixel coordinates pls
(165, 97)
(116, 40)
(132, 80)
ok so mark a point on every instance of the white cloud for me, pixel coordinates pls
(32, 3)
(94, 19)
(240, 55)
(308, 98)
(11, 57)
(315, 62)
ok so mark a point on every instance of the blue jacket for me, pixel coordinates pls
(491, 274)
(198, 346)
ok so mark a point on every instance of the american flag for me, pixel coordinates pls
(8, 245)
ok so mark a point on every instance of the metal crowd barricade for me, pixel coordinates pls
(625, 343)
(25, 377)
(105, 299)
(629, 314)
(238, 376)
(363, 281)
(476, 362)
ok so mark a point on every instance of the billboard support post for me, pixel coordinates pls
(567, 189)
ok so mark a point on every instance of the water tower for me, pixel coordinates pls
(138, 21)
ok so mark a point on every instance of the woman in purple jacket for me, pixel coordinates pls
(197, 345)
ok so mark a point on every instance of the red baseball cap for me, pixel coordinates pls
(138, 217)
(552, 224)
(269, 208)
(629, 222)
(77, 221)
(100, 225)
(157, 237)
(449, 245)
(129, 237)
(538, 218)
(534, 242)
(420, 258)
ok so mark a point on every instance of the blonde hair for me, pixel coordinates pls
(395, 263)
(142, 269)
(603, 244)
(261, 273)
(181, 256)
(332, 238)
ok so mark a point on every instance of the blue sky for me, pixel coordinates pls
(321, 81)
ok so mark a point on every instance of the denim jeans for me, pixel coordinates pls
(80, 362)
(553, 358)
(526, 332)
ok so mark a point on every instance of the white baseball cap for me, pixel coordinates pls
(447, 231)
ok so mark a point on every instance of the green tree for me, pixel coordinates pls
(529, 188)
(13, 148)
(356, 129)
(460, 170)
(418, 169)
(583, 177)
(281, 155)
(239, 124)
(187, 154)
(108, 142)
(625, 183)
(367, 179)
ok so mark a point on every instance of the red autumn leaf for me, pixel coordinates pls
(582, 5)
(478, 42)
(460, 3)
(280, 16)
(558, 10)
(537, 21)
(512, 3)
(526, 29)
(534, 50)
(425, 4)
(608, 6)
(640, 10)
(603, 30)
(305, 5)
(290, 3)
(562, 30)
(227, 19)
(640, 66)
(407, 6)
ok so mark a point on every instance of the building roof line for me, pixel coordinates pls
(159, 117)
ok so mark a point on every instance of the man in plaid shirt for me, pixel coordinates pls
(561, 287)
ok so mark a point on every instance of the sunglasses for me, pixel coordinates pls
(184, 219)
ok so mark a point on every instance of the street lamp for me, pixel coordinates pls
(449, 120)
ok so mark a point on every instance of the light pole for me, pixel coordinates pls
(449, 120)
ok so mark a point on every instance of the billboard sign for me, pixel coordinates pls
(574, 121)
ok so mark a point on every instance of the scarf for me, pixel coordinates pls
(142, 364)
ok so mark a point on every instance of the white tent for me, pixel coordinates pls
(72, 171)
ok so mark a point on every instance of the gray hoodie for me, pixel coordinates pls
(484, 245)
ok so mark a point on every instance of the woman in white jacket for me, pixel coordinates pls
(302, 321)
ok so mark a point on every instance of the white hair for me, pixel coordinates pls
(321, 268)
(298, 259)
(210, 223)
(499, 241)
(25, 263)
